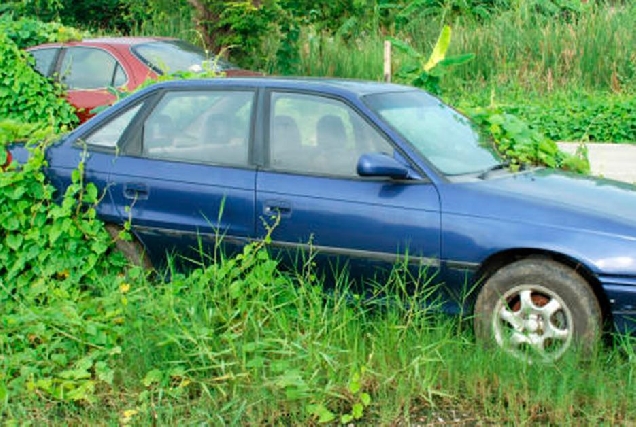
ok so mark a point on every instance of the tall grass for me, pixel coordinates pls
(240, 342)
(333, 56)
(258, 346)
(541, 54)
(571, 76)
(517, 51)
(178, 23)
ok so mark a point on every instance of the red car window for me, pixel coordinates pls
(44, 60)
(176, 55)
(90, 68)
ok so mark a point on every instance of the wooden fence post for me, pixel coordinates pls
(387, 61)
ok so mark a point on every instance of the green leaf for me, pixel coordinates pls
(323, 413)
(346, 418)
(104, 372)
(357, 410)
(152, 377)
(14, 241)
(456, 60)
(12, 223)
(90, 193)
(256, 362)
(365, 398)
(440, 49)
(404, 47)
(354, 384)
(55, 232)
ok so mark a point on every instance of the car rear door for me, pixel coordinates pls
(184, 177)
(319, 207)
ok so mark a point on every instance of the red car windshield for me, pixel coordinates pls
(175, 55)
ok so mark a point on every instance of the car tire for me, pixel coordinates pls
(132, 249)
(537, 309)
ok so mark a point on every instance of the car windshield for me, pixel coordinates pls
(443, 136)
(175, 55)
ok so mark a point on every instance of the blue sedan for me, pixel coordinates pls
(367, 175)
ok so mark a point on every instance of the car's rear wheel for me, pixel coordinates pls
(132, 249)
(537, 309)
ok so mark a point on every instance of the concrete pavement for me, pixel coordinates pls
(616, 161)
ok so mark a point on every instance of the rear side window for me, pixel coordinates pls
(176, 55)
(44, 60)
(200, 127)
(90, 68)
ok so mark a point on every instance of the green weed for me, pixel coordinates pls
(26, 95)
(59, 289)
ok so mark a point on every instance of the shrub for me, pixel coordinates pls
(26, 95)
(591, 118)
(26, 32)
(522, 144)
(61, 285)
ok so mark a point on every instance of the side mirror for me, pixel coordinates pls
(381, 165)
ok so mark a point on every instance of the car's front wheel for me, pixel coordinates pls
(537, 309)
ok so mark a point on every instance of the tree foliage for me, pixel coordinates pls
(243, 26)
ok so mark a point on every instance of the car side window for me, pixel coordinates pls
(108, 135)
(120, 76)
(319, 135)
(200, 127)
(90, 68)
(44, 59)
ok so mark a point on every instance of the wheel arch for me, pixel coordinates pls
(133, 249)
(504, 258)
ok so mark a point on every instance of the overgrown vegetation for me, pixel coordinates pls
(521, 144)
(25, 95)
(58, 286)
(603, 118)
(25, 32)
(517, 142)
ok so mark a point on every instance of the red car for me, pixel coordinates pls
(90, 66)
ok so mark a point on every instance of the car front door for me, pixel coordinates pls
(319, 207)
(183, 177)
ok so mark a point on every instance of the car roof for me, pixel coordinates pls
(107, 41)
(319, 84)
(129, 41)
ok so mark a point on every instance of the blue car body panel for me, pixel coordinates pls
(362, 222)
(185, 204)
(547, 210)
(454, 227)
